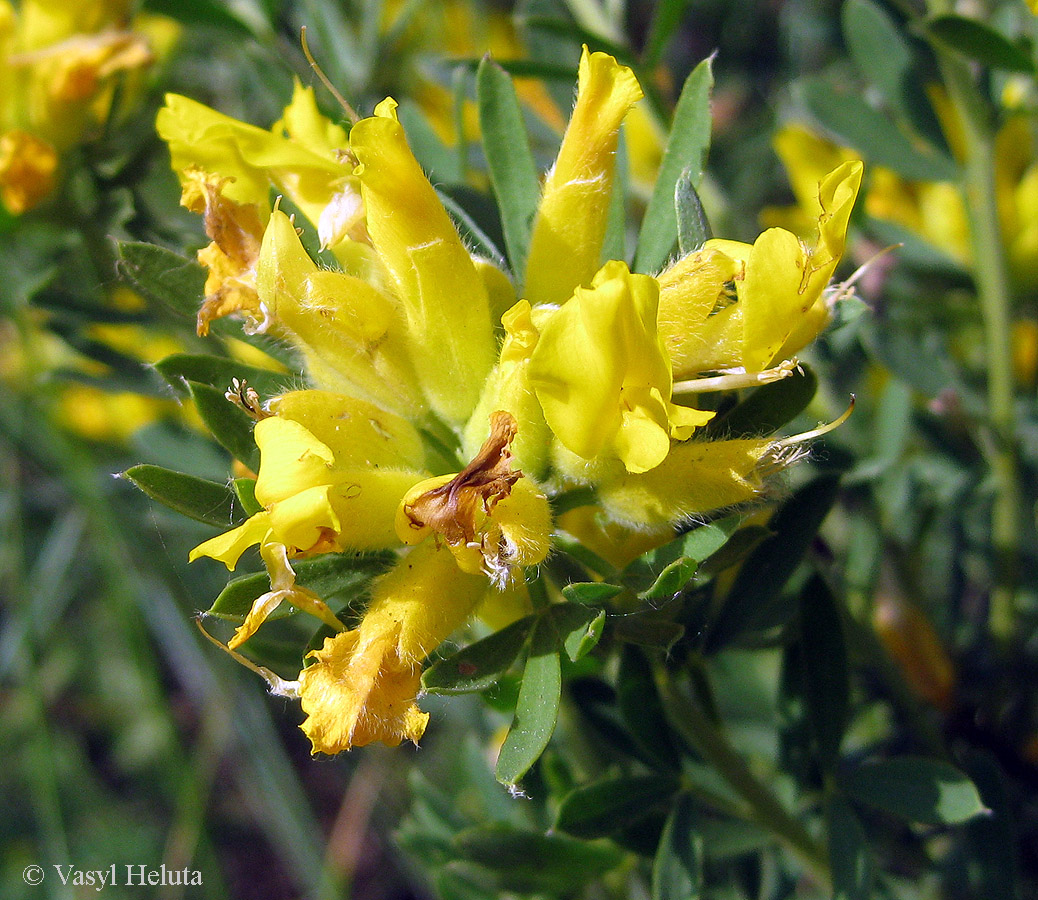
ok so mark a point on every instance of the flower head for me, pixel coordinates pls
(447, 407)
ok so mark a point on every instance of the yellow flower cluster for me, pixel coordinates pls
(59, 60)
(449, 402)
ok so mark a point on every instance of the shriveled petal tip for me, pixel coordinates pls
(358, 692)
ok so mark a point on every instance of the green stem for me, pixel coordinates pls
(764, 807)
(991, 273)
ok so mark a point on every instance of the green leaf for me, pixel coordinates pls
(849, 855)
(693, 226)
(823, 655)
(579, 626)
(767, 408)
(536, 709)
(686, 150)
(199, 499)
(163, 276)
(528, 862)
(641, 710)
(590, 592)
(218, 371)
(917, 789)
(677, 870)
(604, 807)
(884, 56)
(331, 575)
(513, 172)
(479, 665)
(661, 573)
(856, 124)
(757, 588)
(245, 488)
(230, 425)
(980, 42)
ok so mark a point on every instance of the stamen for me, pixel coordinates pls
(246, 398)
(351, 113)
(817, 432)
(735, 380)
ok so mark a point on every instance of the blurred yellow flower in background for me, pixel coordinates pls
(59, 65)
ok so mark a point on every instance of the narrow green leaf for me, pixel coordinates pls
(671, 580)
(823, 655)
(758, 586)
(849, 855)
(852, 122)
(604, 807)
(686, 149)
(218, 371)
(230, 425)
(163, 276)
(332, 576)
(677, 870)
(479, 665)
(693, 226)
(199, 499)
(536, 709)
(590, 592)
(917, 789)
(579, 626)
(245, 488)
(641, 710)
(767, 408)
(661, 572)
(513, 172)
(980, 42)
(529, 862)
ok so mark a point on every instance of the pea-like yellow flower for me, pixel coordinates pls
(779, 303)
(603, 376)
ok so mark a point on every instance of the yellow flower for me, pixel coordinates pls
(934, 210)
(603, 376)
(444, 299)
(299, 155)
(28, 168)
(566, 243)
(780, 302)
(363, 685)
